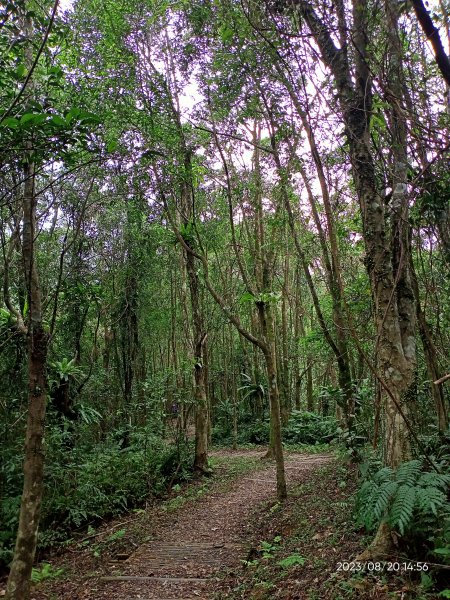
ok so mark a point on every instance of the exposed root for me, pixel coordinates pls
(382, 546)
(202, 471)
(269, 455)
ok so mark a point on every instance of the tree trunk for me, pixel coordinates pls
(284, 354)
(201, 401)
(385, 235)
(18, 587)
(430, 354)
(267, 328)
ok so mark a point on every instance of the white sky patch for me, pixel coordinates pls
(65, 5)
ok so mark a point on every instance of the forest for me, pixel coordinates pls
(224, 305)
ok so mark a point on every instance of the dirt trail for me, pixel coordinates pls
(183, 559)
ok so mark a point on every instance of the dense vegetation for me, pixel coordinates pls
(227, 218)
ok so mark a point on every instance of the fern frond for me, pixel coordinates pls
(383, 475)
(365, 502)
(368, 489)
(430, 499)
(385, 493)
(437, 480)
(408, 472)
(411, 500)
(402, 509)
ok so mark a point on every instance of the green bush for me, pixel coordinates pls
(309, 428)
(110, 480)
(10, 494)
(254, 433)
(86, 484)
(412, 500)
(303, 428)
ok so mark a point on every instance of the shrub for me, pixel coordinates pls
(110, 480)
(309, 428)
(304, 428)
(254, 433)
(412, 500)
(86, 484)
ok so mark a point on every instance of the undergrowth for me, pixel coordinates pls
(304, 428)
(414, 500)
(86, 484)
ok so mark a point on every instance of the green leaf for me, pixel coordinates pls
(291, 561)
(34, 118)
(247, 297)
(89, 118)
(4, 316)
(112, 146)
(442, 551)
(58, 121)
(269, 297)
(10, 122)
(73, 113)
(21, 71)
(56, 71)
(226, 34)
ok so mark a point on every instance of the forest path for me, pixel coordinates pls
(183, 559)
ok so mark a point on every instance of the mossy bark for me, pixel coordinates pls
(18, 586)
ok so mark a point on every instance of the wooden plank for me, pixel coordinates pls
(113, 578)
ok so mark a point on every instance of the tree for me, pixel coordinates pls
(37, 342)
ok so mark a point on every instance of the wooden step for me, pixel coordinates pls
(160, 579)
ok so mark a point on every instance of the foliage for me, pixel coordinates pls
(304, 429)
(114, 287)
(47, 571)
(268, 548)
(411, 499)
(436, 446)
(91, 484)
(65, 369)
(252, 391)
(223, 422)
(309, 428)
(254, 433)
(291, 561)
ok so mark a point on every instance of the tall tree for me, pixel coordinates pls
(384, 228)
(37, 343)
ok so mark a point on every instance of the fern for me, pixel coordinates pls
(408, 472)
(402, 509)
(430, 499)
(409, 499)
(438, 480)
(386, 492)
(384, 474)
(368, 492)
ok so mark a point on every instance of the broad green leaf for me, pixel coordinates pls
(247, 297)
(10, 122)
(226, 34)
(73, 114)
(290, 561)
(58, 121)
(34, 118)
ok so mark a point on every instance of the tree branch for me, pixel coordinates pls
(432, 33)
